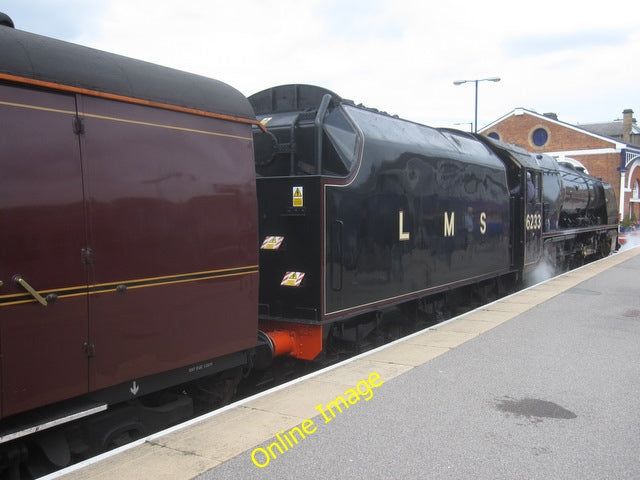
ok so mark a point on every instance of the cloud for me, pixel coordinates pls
(70, 20)
(360, 19)
(399, 56)
(534, 45)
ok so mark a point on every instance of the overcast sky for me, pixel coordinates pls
(579, 59)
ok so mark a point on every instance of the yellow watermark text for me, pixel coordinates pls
(284, 441)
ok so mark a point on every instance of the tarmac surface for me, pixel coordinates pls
(542, 384)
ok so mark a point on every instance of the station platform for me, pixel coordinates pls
(542, 384)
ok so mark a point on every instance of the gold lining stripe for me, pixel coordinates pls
(99, 288)
(170, 127)
(202, 274)
(36, 107)
(123, 120)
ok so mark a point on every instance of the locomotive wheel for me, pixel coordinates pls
(605, 248)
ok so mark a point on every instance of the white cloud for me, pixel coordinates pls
(63, 19)
(400, 56)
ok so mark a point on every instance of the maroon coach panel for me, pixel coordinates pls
(172, 235)
(128, 224)
(41, 220)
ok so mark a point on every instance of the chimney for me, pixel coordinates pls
(627, 123)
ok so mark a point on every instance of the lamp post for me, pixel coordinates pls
(460, 82)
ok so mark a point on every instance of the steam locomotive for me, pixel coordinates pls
(373, 211)
(162, 234)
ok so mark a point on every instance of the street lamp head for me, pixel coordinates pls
(491, 79)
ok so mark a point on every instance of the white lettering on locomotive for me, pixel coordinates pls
(449, 226)
(483, 223)
(533, 221)
(403, 235)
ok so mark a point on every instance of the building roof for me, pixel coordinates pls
(608, 129)
(553, 119)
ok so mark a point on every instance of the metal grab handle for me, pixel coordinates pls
(23, 283)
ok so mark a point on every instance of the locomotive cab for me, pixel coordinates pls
(533, 205)
(562, 214)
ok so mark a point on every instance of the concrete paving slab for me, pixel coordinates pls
(439, 338)
(147, 461)
(300, 399)
(465, 325)
(507, 305)
(408, 354)
(249, 426)
(555, 286)
(493, 317)
(353, 372)
(529, 297)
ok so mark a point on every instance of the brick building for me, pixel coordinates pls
(605, 150)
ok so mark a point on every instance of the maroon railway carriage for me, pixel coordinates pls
(128, 214)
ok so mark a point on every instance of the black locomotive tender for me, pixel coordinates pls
(364, 220)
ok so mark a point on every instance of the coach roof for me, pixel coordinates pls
(45, 59)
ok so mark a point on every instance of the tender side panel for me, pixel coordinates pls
(42, 236)
(172, 227)
(426, 211)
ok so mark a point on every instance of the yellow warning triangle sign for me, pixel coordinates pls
(297, 196)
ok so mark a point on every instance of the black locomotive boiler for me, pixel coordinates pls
(361, 212)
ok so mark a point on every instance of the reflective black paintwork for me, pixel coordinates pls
(424, 209)
(392, 209)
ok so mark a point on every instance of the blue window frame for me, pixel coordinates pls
(539, 137)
